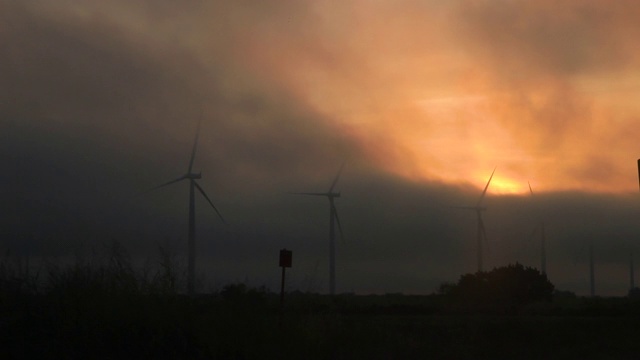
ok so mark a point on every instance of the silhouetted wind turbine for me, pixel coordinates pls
(631, 265)
(478, 208)
(592, 271)
(639, 172)
(192, 177)
(333, 217)
(592, 266)
(543, 253)
(632, 282)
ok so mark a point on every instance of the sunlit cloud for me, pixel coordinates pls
(423, 98)
(454, 90)
(433, 91)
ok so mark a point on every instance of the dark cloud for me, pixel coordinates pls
(100, 102)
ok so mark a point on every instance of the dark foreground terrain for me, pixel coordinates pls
(106, 313)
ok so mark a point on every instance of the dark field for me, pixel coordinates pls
(107, 313)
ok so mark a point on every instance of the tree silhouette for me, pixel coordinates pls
(507, 286)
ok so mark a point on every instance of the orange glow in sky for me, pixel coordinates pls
(507, 186)
(445, 90)
(436, 90)
(448, 91)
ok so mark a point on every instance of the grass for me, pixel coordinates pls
(108, 311)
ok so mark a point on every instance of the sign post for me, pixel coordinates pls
(285, 262)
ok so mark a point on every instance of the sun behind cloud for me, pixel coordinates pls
(446, 91)
(505, 186)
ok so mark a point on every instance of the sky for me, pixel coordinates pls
(99, 102)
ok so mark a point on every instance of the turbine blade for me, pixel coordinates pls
(308, 193)
(137, 195)
(530, 189)
(165, 184)
(195, 145)
(209, 200)
(335, 213)
(335, 181)
(486, 187)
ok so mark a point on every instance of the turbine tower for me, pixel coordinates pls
(638, 172)
(592, 271)
(632, 282)
(478, 208)
(333, 218)
(543, 252)
(193, 185)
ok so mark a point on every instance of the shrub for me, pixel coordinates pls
(508, 286)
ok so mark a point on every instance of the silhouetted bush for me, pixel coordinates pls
(105, 310)
(239, 294)
(501, 288)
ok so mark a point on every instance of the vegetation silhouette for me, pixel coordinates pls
(506, 288)
(105, 309)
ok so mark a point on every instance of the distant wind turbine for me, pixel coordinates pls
(192, 177)
(639, 172)
(592, 271)
(333, 218)
(543, 253)
(592, 265)
(631, 266)
(632, 282)
(478, 208)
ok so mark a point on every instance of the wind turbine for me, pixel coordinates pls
(638, 172)
(478, 208)
(333, 218)
(631, 265)
(592, 265)
(592, 270)
(193, 185)
(632, 282)
(543, 253)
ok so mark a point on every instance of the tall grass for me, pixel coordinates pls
(104, 308)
